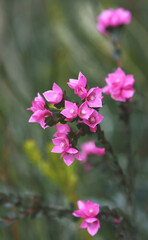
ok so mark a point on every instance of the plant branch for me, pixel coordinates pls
(117, 55)
(118, 170)
(124, 114)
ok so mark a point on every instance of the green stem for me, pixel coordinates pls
(118, 170)
(125, 112)
(117, 55)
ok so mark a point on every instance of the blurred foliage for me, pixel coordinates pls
(53, 168)
(46, 41)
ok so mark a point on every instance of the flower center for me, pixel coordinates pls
(40, 105)
(72, 111)
(90, 210)
(91, 97)
(80, 91)
(92, 120)
(55, 96)
(117, 80)
(83, 112)
(62, 144)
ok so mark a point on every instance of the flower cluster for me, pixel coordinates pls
(85, 113)
(40, 108)
(112, 18)
(88, 211)
(119, 85)
(92, 99)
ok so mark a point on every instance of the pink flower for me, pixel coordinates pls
(81, 92)
(89, 148)
(39, 117)
(88, 211)
(84, 111)
(61, 144)
(70, 111)
(37, 104)
(55, 95)
(39, 111)
(94, 119)
(94, 97)
(119, 85)
(69, 155)
(79, 86)
(112, 18)
(62, 130)
(117, 221)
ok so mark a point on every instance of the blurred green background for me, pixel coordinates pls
(46, 41)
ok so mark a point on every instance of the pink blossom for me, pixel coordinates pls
(119, 85)
(79, 86)
(94, 119)
(112, 18)
(88, 211)
(81, 81)
(94, 97)
(55, 95)
(84, 111)
(89, 148)
(61, 144)
(37, 104)
(39, 111)
(39, 117)
(117, 221)
(70, 111)
(81, 92)
(62, 130)
(69, 155)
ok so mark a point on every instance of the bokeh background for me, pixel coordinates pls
(46, 41)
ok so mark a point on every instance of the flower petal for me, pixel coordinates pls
(83, 224)
(81, 204)
(93, 228)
